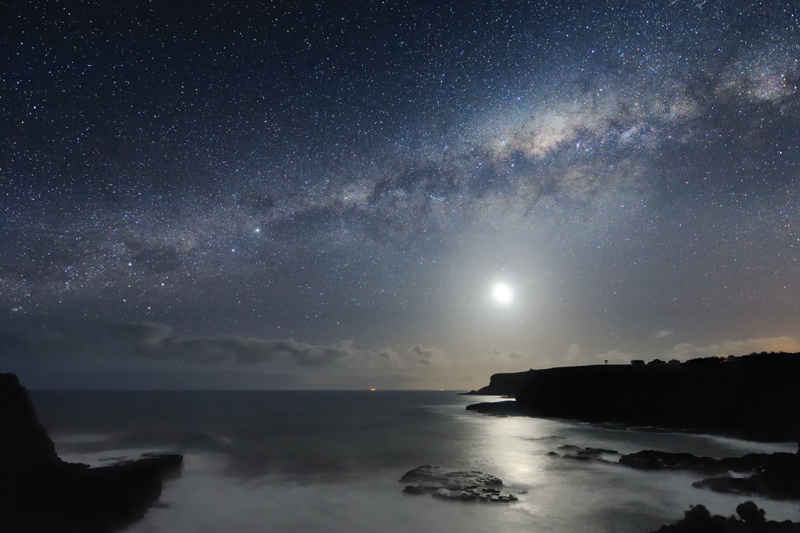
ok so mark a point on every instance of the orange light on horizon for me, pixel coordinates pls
(371, 389)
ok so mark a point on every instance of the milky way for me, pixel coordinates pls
(343, 185)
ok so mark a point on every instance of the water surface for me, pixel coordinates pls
(330, 462)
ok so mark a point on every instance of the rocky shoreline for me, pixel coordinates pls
(772, 475)
(752, 397)
(775, 475)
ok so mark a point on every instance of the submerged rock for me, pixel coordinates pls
(462, 486)
(436, 477)
(656, 460)
(483, 495)
(584, 454)
(41, 493)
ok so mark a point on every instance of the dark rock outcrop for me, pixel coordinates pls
(775, 475)
(751, 520)
(584, 454)
(751, 396)
(23, 442)
(41, 493)
(656, 460)
(463, 486)
(506, 408)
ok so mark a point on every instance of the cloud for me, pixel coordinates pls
(427, 355)
(421, 351)
(685, 351)
(663, 334)
(44, 343)
(499, 355)
(156, 377)
(154, 341)
(573, 352)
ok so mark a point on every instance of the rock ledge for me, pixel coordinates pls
(462, 486)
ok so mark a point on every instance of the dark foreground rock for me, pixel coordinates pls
(463, 486)
(751, 520)
(40, 493)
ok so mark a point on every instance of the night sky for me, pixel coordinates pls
(326, 195)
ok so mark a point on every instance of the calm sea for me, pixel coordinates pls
(259, 461)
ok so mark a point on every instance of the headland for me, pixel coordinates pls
(752, 396)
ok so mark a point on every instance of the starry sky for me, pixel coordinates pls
(326, 194)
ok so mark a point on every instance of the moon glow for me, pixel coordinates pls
(502, 294)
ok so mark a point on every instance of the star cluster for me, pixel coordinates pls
(363, 172)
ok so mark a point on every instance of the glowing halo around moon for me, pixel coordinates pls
(502, 294)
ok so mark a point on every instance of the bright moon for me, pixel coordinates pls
(502, 293)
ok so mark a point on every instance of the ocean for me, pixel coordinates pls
(330, 461)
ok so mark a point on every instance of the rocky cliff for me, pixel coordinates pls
(40, 493)
(751, 396)
(504, 384)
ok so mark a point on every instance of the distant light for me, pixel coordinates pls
(371, 389)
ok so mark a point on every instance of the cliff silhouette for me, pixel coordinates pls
(40, 493)
(753, 396)
(504, 384)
